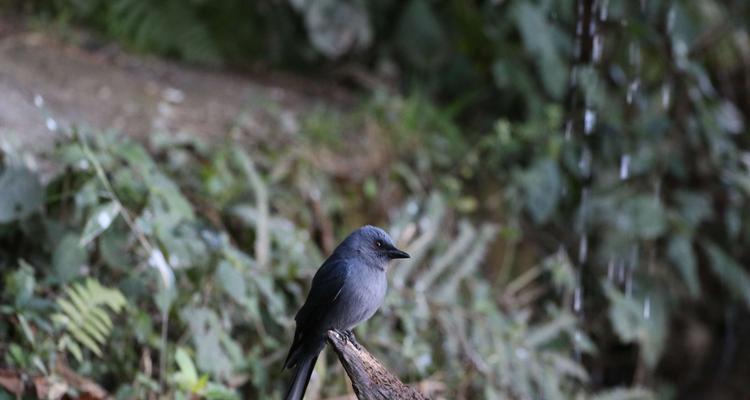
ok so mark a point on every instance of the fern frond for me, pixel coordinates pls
(85, 316)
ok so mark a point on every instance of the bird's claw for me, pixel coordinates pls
(349, 336)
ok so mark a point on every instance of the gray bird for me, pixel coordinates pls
(347, 289)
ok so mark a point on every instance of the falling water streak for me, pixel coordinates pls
(578, 299)
(604, 10)
(597, 48)
(577, 339)
(51, 124)
(632, 90)
(583, 249)
(670, 19)
(584, 163)
(624, 167)
(647, 308)
(569, 129)
(38, 101)
(589, 121)
(611, 271)
(657, 190)
(573, 77)
(643, 5)
(666, 95)
(651, 261)
(634, 55)
(592, 27)
(629, 284)
(621, 272)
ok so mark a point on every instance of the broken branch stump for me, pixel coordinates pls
(370, 379)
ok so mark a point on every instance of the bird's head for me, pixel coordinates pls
(375, 242)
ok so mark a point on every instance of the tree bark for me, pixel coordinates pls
(370, 379)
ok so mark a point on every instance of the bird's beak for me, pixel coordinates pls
(396, 253)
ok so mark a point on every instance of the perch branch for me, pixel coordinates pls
(370, 380)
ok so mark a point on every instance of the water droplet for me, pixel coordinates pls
(647, 308)
(624, 166)
(568, 129)
(38, 101)
(589, 121)
(51, 124)
(611, 271)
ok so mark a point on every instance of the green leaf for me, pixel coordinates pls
(67, 343)
(232, 281)
(68, 258)
(541, 184)
(20, 284)
(681, 254)
(420, 37)
(21, 194)
(729, 272)
(216, 391)
(642, 216)
(83, 316)
(187, 376)
(540, 39)
(643, 321)
(207, 331)
(625, 394)
(101, 219)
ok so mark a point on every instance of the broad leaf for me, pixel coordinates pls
(21, 194)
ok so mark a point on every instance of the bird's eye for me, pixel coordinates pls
(378, 243)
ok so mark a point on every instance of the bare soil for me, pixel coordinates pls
(48, 83)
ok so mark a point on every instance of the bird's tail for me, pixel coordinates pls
(302, 374)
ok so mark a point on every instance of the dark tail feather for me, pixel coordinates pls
(302, 375)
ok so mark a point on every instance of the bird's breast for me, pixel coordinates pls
(360, 298)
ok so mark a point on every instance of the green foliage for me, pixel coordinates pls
(616, 178)
(213, 298)
(22, 193)
(187, 379)
(83, 315)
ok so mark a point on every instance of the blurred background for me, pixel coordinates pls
(572, 179)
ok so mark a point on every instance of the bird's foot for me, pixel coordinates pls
(349, 335)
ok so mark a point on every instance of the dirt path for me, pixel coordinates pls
(46, 83)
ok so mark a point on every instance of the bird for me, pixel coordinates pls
(347, 289)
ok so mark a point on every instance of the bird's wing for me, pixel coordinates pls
(326, 288)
